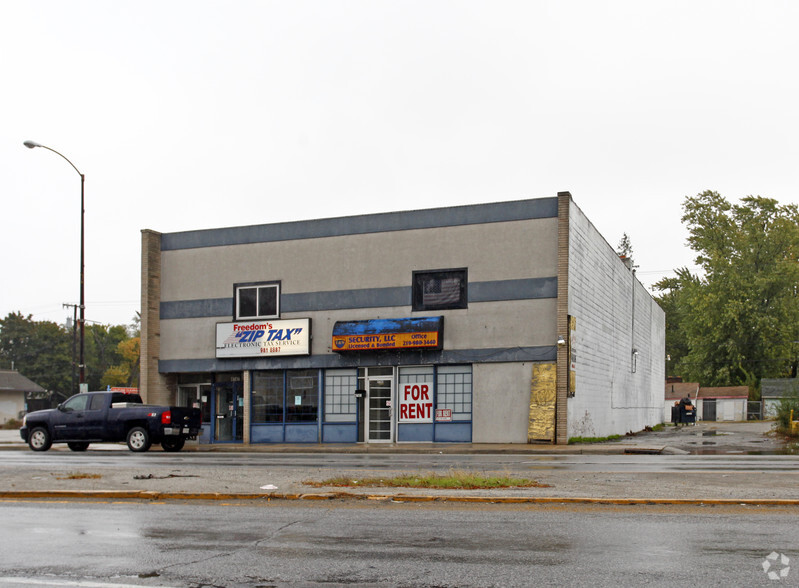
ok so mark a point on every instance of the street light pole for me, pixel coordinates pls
(81, 363)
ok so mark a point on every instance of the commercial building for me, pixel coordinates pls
(509, 322)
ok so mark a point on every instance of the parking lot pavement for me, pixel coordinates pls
(711, 437)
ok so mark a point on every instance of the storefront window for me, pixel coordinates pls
(454, 390)
(414, 375)
(453, 387)
(290, 396)
(196, 396)
(302, 396)
(340, 386)
(267, 397)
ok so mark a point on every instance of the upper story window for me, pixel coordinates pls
(257, 301)
(440, 289)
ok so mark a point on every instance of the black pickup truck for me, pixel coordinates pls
(94, 417)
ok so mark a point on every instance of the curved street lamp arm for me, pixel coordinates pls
(34, 144)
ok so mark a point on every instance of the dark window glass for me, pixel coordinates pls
(267, 301)
(205, 402)
(257, 301)
(267, 397)
(302, 396)
(248, 302)
(97, 402)
(439, 290)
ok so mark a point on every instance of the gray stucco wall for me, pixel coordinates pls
(615, 392)
(361, 268)
(512, 287)
(495, 251)
(501, 402)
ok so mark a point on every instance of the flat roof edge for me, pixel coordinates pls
(362, 224)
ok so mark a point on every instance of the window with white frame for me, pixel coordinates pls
(340, 386)
(257, 301)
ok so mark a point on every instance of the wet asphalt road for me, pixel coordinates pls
(385, 543)
(744, 463)
(387, 540)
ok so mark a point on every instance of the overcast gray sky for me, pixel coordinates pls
(197, 114)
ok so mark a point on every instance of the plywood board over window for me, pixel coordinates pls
(542, 403)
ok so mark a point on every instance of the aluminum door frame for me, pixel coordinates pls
(370, 410)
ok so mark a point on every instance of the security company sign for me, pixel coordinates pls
(388, 334)
(416, 403)
(266, 338)
(385, 341)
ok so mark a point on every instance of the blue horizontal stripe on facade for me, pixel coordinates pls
(547, 353)
(369, 223)
(495, 291)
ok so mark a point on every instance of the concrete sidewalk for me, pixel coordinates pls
(702, 438)
(105, 477)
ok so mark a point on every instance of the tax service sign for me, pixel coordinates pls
(264, 338)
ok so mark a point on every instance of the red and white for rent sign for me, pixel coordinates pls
(416, 403)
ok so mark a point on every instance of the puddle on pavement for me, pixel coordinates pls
(721, 451)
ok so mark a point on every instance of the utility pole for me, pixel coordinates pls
(74, 308)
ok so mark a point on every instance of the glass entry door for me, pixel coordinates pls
(228, 411)
(379, 413)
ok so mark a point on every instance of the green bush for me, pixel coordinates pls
(11, 424)
(787, 404)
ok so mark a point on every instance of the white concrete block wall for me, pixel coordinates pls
(615, 392)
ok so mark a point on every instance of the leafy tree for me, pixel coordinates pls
(736, 321)
(788, 406)
(126, 373)
(40, 350)
(673, 302)
(625, 247)
(102, 351)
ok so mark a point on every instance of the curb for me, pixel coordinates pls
(609, 448)
(521, 449)
(217, 496)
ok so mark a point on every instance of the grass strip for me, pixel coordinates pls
(454, 480)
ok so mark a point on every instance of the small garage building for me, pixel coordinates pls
(13, 389)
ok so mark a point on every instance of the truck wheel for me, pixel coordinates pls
(138, 439)
(172, 444)
(39, 439)
(78, 445)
